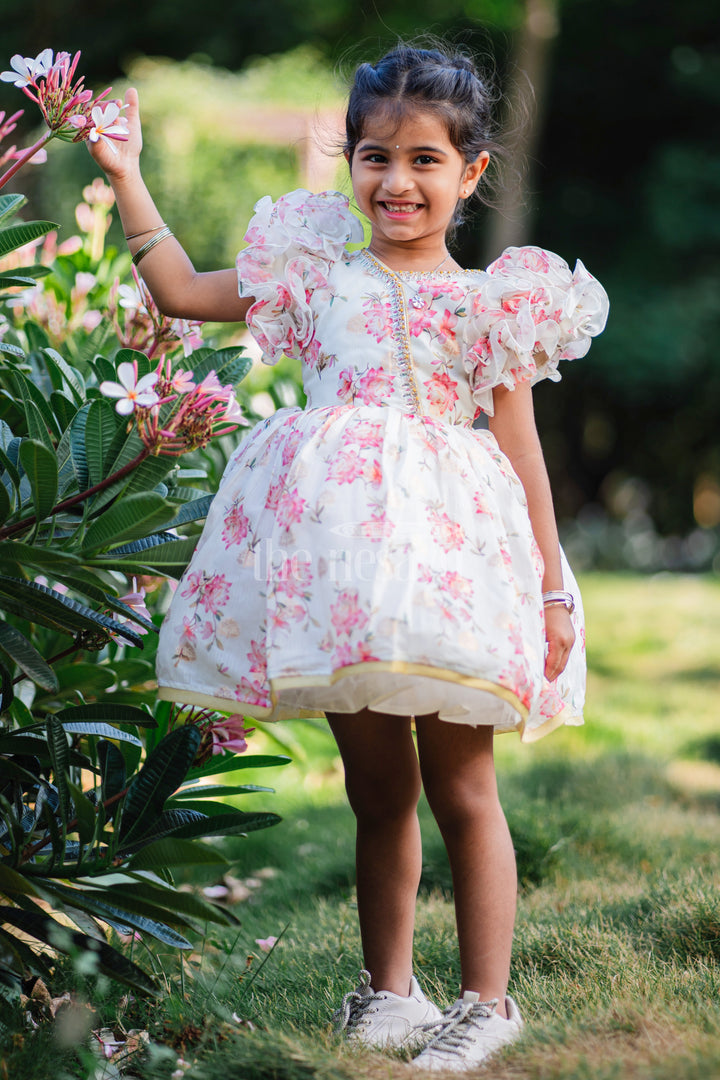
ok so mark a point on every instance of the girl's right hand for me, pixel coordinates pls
(123, 163)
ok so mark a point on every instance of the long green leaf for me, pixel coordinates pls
(13, 237)
(130, 517)
(111, 962)
(232, 823)
(130, 888)
(40, 465)
(109, 713)
(6, 504)
(39, 604)
(172, 852)
(25, 655)
(215, 791)
(69, 376)
(60, 757)
(233, 762)
(230, 365)
(12, 883)
(10, 204)
(166, 824)
(196, 510)
(161, 775)
(100, 429)
(37, 428)
(112, 770)
(103, 730)
(84, 812)
(27, 960)
(78, 457)
(40, 558)
(109, 912)
(167, 559)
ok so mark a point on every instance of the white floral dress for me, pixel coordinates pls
(374, 549)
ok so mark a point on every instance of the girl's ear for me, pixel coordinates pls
(472, 174)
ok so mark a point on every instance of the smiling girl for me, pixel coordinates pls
(388, 555)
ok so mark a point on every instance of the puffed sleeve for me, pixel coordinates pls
(292, 244)
(529, 312)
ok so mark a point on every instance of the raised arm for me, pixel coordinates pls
(514, 428)
(177, 288)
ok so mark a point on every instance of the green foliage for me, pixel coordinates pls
(99, 797)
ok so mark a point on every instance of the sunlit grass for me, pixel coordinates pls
(617, 954)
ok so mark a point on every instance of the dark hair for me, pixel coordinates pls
(433, 80)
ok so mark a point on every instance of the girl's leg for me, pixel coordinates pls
(382, 778)
(458, 773)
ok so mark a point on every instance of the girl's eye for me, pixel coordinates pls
(425, 159)
(376, 159)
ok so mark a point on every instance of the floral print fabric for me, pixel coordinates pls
(374, 549)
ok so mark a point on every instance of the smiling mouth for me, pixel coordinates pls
(400, 208)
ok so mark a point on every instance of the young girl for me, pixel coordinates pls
(381, 556)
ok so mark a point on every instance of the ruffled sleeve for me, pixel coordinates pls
(292, 244)
(529, 313)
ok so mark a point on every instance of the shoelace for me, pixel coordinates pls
(455, 1026)
(354, 1004)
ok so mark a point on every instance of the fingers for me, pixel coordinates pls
(560, 636)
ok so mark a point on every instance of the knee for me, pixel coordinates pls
(380, 797)
(457, 803)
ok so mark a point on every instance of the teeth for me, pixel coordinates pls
(404, 208)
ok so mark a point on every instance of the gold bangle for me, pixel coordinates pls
(150, 244)
(134, 235)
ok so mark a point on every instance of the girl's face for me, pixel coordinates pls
(407, 179)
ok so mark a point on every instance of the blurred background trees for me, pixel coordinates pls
(622, 169)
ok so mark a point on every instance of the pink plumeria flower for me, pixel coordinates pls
(108, 124)
(182, 382)
(229, 734)
(234, 414)
(27, 69)
(266, 944)
(131, 393)
(136, 600)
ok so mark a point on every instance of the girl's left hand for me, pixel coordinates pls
(560, 635)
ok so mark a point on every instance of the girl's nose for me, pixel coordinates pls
(398, 178)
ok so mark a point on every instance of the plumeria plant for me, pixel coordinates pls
(100, 396)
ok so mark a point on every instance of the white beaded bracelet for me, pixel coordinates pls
(559, 598)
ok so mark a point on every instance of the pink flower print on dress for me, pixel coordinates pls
(347, 654)
(258, 658)
(346, 467)
(374, 387)
(345, 385)
(459, 587)
(236, 525)
(290, 508)
(291, 445)
(378, 318)
(293, 577)
(252, 693)
(445, 327)
(211, 591)
(346, 614)
(364, 433)
(419, 319)
(272, 499)
(515, 677)
(449, 534)
(481, 504)
(441, 391)
(374, 473)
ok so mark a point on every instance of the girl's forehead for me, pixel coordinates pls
(406, 126)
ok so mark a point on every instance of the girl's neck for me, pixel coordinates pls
(417, 259)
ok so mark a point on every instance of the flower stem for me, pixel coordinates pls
(30, 152)
(67, 504)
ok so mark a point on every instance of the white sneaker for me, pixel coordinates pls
(384, 1020)
(468, 1033)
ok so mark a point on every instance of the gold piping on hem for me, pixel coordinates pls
(260, 712)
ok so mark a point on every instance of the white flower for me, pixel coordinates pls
(27, 69)
(129, 297)
(131, 393)
(108, 124)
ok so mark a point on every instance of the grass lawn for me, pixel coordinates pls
(617, 834)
